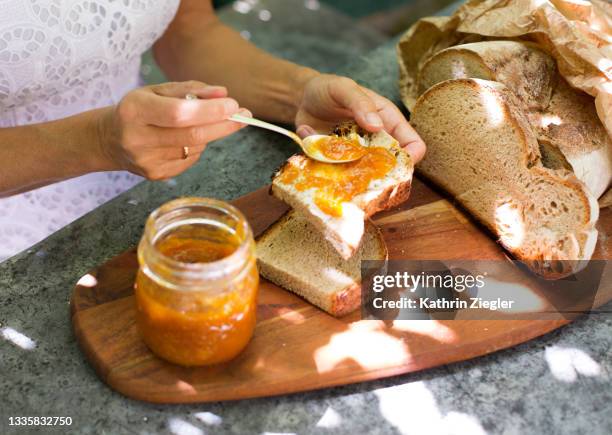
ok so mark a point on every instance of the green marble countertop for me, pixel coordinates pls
(558, 383)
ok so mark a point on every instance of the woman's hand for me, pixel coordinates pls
(329, 99)
(147, 131)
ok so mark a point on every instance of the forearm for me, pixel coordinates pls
(40, 154)
(212, 52)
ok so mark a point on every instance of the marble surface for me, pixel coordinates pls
(559, 383)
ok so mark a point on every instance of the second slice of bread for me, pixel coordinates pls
(295, 256)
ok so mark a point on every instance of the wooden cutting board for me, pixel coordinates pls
(296, 347)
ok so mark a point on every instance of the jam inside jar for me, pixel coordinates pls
(196, 288)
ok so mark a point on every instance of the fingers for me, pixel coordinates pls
(195, 136)
(305, 131)
(165, 105)
(402, 131)
(161, 133)
(347, 93)
(178, 113)
(398, 127)
(181, 89)
(172, 168)
(415, 148)
(178, 153)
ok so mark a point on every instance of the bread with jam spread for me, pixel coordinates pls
(338, 198)
(295, 256)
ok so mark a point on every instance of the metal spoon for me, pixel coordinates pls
(307, 144)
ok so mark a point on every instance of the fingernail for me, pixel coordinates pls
(231, 106)
(245, 112)
(305, 130)
(374, 119)
(216, 90)
(212, 91)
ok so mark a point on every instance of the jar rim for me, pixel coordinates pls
(214, 270)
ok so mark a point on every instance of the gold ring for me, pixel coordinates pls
(185, 153)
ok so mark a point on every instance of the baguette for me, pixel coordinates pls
(295, 256)
(345, 231)
(483, 151)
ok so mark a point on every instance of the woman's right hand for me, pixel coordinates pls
(147, 131)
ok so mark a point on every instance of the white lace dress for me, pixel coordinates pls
(59, 58)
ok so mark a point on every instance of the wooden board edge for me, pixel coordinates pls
(87, 348)
(475, 350)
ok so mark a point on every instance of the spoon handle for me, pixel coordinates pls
(262, 124)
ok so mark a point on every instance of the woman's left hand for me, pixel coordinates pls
(329, 99)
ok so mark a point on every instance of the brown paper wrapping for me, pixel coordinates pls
(577, 33)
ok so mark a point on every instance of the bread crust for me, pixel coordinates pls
(531, 158)
(531, 155)
(388, 197)
(448, 53)
(338, 304)
(564, 119)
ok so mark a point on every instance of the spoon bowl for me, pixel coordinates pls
(313, 147)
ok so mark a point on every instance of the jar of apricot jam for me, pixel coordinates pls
(197, 284)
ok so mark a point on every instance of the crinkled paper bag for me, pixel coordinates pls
(577, 33)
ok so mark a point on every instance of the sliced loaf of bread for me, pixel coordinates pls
(564, 119)
(483, 151)
(523, 67)
(293, 254)
(345, 231)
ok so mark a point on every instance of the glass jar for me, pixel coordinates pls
(196, 288)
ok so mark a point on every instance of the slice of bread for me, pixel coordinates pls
(565, 120)
(295, 256)
(523, 67)
(345, 232)
(482, 150)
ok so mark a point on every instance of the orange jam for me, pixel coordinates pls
(341, 182)
(196, 290)
(339, 148)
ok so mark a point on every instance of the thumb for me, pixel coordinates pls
(347, 93)
(305, 131)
